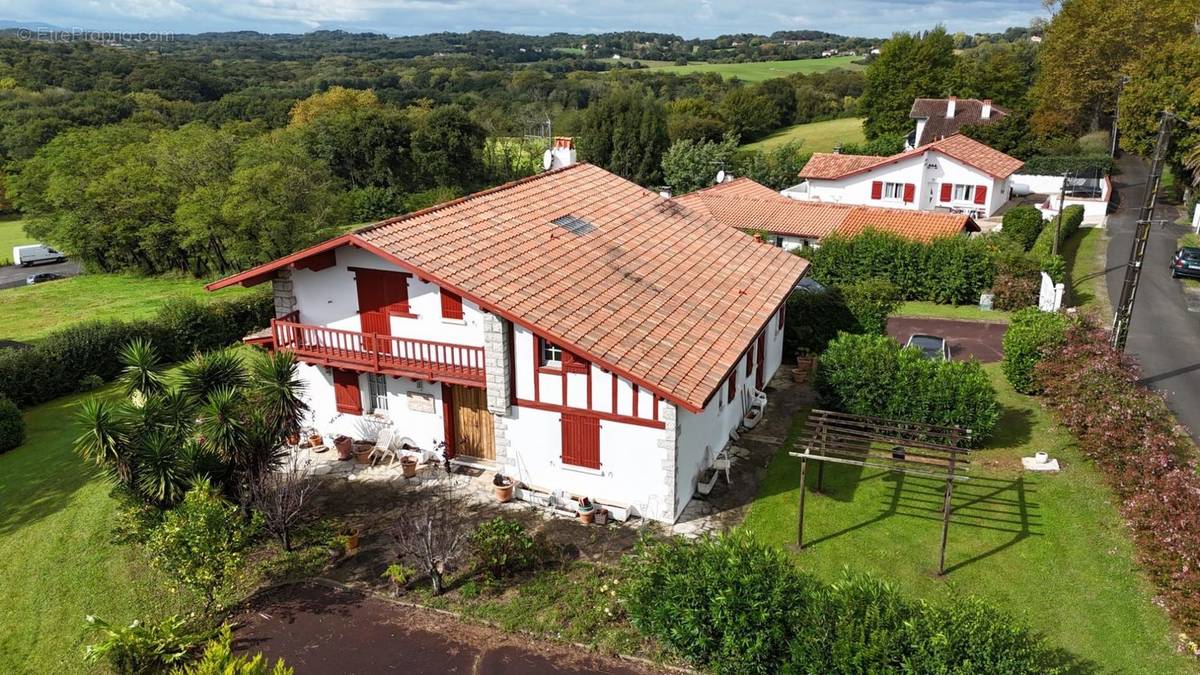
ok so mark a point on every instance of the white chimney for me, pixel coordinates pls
(665, 192)
(951, 105)
(987, 109)
(561, 153)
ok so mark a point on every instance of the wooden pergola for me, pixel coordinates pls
(892, 445)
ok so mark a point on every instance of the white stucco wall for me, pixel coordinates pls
(424, 427)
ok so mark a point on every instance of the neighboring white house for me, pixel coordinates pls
(571, 330)
(954, 174)
(937, 118)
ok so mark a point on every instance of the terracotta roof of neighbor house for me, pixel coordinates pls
(815, 220)
(937, 125)
(966, 150)
(738, 187)
(638, 284)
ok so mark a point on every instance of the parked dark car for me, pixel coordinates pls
(1186, 263)
(42, 278)
(931, 346)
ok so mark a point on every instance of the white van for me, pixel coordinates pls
(34, 254)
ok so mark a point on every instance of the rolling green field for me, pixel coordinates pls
(816, 136)
(11, 234)
(32, 312)
(1050, 549)
(765, 70)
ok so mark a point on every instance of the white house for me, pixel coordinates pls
(954, 174)
(571, 330)
(937, 118)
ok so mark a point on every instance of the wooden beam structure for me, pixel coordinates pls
(892, 445)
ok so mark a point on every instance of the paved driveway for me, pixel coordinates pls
(319, 629)
(1164, 335)
(979, 339)
(14, 275)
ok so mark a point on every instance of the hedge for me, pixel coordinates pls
(947, 270)
(70, 359)
(1072, 218)
(1057, 165)
(873, 375)
(12, 425)
(730, 604)
(1023, 224)
(1030, 332)
(813, 319)
(1135, 441)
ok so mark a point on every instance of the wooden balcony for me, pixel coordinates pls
(371, 352)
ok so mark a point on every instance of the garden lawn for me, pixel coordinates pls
(32, 312)
(765, 70)
(815, 136)
(57, 561)
(1050, 549)
(933, 310)
(1085, 254)
(12, 233)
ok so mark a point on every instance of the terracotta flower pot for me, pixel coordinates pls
(362, 456)
(352, 541)
(504, 493)
(315, 440)
(409, 466)
(586, 517)
(344, 446)
(293, 439)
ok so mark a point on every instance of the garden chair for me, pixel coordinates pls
(383, 447)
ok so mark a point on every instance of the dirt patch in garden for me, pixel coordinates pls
(318, 628)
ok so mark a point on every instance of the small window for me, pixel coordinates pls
(452, 307)
(964, 193)
(377, 399)
(732, 392)
(551, 355)
(893, 190)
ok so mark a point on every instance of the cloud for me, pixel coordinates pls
(690, 18)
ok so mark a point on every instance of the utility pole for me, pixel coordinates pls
(1062, 198)
(1121, 82)
(1123, 313)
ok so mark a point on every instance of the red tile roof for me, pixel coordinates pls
(738, 187)
(937, 125)
(962, 148)
(815, 220)
(658, 293)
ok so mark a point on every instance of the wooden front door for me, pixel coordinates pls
(762, 361)
(472, 428)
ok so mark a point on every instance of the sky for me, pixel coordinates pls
(689, 18)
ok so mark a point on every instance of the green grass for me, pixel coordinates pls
(32, 312)
(12, 234)
(1086, 256)
(765, 70)
(934, 310)
(816, 136)
(1051, 550)
(57, 561)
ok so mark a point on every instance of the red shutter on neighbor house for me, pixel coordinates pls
(980, 194)
(947, 192)
(910, 192)
(877, 189)
(346, 393)
(581, 440)
(451, 305)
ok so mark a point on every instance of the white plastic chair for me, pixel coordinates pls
(383, 447)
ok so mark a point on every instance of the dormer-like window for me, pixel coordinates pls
(551, 355)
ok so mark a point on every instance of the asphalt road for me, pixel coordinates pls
(1164, 335)
(14, 275)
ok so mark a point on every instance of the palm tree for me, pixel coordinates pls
(220, 425)
(205, 374)
(280, 391)
(143, 368)
(106, 437)
(164, 472)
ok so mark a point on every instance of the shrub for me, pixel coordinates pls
(218, 659)
(503, 548)
(873, 375)
(871, 301)
(1014, 292)
(1022, 225)
(1030, 332)
(143, 648)
(813, 319)
(1072, 218)
(12, 425)
(58, 365)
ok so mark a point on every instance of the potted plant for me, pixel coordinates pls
(707, 480)
(315, 440)
(362, 451)
(398, 576)
(293, 439)
(503, 486)
(345, 447)
(805, 363)
(601, 516)
(351, 541)
(586, 510)
(408, 464)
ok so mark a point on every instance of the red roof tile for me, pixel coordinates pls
(916, 225)
(657, 292)
(738, 187)
(962, 148)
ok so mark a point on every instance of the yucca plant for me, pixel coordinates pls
(205, 374)
(164, 471)
(142, 368)
(106, 438)
(280, 391)
(221, 426)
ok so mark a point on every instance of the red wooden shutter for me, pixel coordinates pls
(574, 364)
(760, 374)
(373, 302)
(451, 305)
(732, 387)
(910, 192)
(877, 189)
(749, 360)
(980, 194)
(779, 319)
(581, 440)
(397, 291)
(346, 393)
(947, 192)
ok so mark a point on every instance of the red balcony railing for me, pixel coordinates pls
(422, 359)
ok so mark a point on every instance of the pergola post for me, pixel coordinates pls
(946, 515)
(800, 525)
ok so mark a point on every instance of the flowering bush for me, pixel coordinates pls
(1143, 452)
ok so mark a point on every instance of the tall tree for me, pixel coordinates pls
(626, 133)
(690, 165)
(447, 148)
(908, 67)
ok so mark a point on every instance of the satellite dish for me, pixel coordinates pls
(721, 176)
(547, 160)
